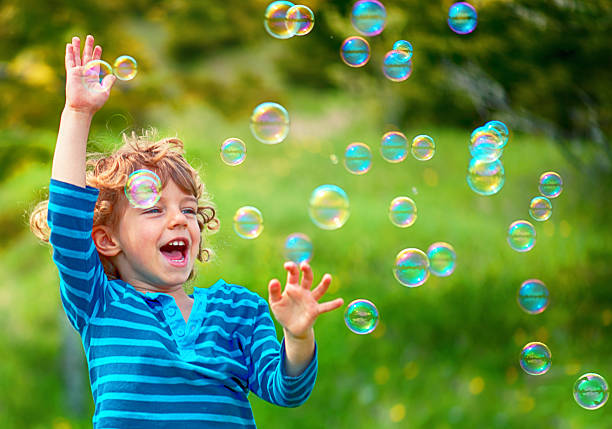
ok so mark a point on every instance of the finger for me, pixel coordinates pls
(307, 275)
(88, 50)
(321, 289)
(97, 52)
(330, 305)
(293, 274)
(76, 50)
(69, 57)
(274, 290)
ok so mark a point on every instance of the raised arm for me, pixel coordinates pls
(84, 98)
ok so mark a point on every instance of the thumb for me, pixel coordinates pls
(108, 81)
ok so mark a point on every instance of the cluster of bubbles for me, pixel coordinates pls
(550, 186)
(143, 189)
(485, 170)
(462, 18)
(413, 266)
(124, 67)
(283, 19)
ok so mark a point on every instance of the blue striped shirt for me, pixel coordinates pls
(149, 368)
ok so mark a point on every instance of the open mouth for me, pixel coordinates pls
(175, 252)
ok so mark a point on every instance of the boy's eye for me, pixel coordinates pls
(190, 211)
(152, 210)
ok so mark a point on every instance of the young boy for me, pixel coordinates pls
(157, 357)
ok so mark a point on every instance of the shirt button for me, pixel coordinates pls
(171, 311)
(180, 332)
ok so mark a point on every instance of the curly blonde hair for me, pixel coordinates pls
(109, 173)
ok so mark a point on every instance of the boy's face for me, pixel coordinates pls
(159, 245)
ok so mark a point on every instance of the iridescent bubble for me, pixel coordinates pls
(397, 65)
(125, 67)
(298, 248)
(540, 208)
(275, 20)
(394, 146)
(533, 296)
(551, 184)
(462, 18)
(270, 123)
(411, 267)
(402, 212)
(403, 45)
(501, 129)
(328, 207)
(94, 73)
(233, 151)
(423, 147)
(486, 144)
(485, 178)
(368, 17)
(521, 236)
(358, 158)
(355, 51)
(143, 188)
(591, 391)
(442, 259)
(248, 222)
(361, 316)
(333, 158)
(535, 358)
(300, 20)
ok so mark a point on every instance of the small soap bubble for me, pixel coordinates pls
(143, 189)
(533, 296)
(501, 129)
(355, 51)
(551, 184)
(394, 146)
(485, 178)
(462, 18)
(442, 259)
(423, 147)
(521, 236)
(125, 67)
(94, 73)
(402, 212)
(358, 158)
(368, 17)
(328, 207)
(397, 65)
(298, 248)
(411, 267)
(300, 20)
(361, 316)
(333, 158)
(540, 208)
(275, 20)
(248, 222)
(486, 144)
(233, 151)
(535, 358)
(270, 123)
(591, 391)
(403, 45)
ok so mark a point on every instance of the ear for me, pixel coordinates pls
(105, 241)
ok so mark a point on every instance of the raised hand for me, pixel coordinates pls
(82, 93)
(297, 307)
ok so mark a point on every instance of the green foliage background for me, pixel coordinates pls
(445, 355)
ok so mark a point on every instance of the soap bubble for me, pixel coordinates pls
(355, 51)
(270, 123)
(358, 158)
(329, 207)
(591, 391)
(403, 45)
(125, 67)
(94, 73)
(361, 316)
(411, 267)
(521, 236)
(442, 259)
(485, 178)
(402, 212)
(233, 151)
(462, 18)
(394, 146)
(248, 222)
(275, 20)
(551, 184)
(298, 248)
(540, 208)
(486, 144)
(535, 358)
(533, 296)
(397, 65)
(423, 147)
(300, 20)
(501, 129)
(143, 189)
(368, 17)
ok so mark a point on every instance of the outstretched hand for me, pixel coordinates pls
(83, 93)
(297, 307)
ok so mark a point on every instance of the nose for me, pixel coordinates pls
(177, 219)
